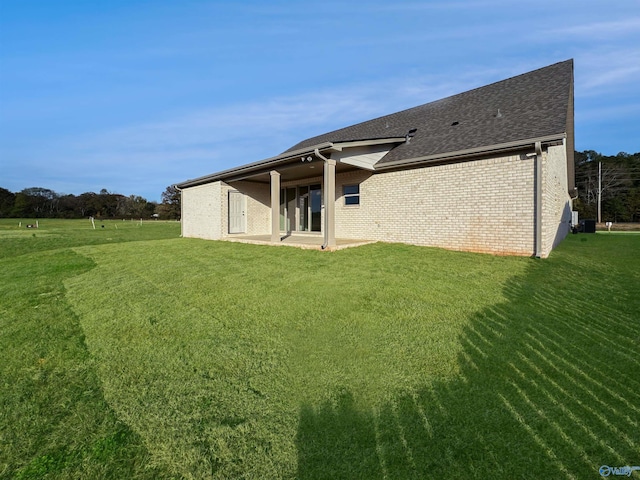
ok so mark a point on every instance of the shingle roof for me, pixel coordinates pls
(531, 105)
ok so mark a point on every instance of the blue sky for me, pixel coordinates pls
(136, 95)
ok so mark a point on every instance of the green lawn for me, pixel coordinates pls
(132, 353)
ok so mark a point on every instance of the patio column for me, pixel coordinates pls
(329, 203)
(275, 206)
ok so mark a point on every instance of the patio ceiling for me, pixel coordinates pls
(293, 170)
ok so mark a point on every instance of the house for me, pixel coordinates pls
(488, 170)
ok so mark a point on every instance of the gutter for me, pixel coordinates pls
(247, 170)
(538, 199)
(252, 167)
(460, 154)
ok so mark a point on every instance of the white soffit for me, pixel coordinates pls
(365, 156)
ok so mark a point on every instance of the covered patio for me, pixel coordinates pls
(302, 191)
(309, 242)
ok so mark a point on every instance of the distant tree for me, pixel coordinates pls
(122, 206)
(619, 185)
(22, 206)
(137, 207)
(35, 202)
(150, 208)
(69, 206)
(106, 204)
(633, 203)
(41, 202)
(170, 206)
(7, 201)
(88, 204)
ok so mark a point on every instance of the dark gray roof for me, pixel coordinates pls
(531, 105)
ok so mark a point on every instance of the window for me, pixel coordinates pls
(351, 194)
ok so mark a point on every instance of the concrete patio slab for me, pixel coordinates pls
(310, 242)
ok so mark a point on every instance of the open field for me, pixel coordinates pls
(619, 227)
(132, 353)
(54, 233)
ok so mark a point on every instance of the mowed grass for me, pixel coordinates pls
(17, 239)
(182, 358)
(54, 421)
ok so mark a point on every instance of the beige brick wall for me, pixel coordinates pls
(205, 209)
(556, 211)
(481, 206)
(201, 213)
(258, 207)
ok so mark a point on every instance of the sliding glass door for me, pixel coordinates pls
(301, 207)
(316, 208)
(303, 202)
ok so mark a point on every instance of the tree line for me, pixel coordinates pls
(38, 202)
(617, 179)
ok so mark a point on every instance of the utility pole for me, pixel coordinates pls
(599, 192)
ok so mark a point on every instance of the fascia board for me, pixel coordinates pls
(250, 167)
(530, 142)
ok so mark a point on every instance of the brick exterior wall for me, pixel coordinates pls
(557, 205)
(201, 211)
(205, 209)
(480, 206)
(258, 207)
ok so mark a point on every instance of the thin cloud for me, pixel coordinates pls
(212, 139)
(600, 29)
(199, 142)
(228, 124)
(223, 137)
(285, 119)
(606, 70)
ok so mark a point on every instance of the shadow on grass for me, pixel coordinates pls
(54, 420)
(337, 440)
(549, 387)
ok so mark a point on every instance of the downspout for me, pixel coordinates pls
(538, 200)
(326, 230)
(577, 194)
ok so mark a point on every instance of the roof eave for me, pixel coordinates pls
(471, 152)
(252, 167)
(339, 146)
(283, 157)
